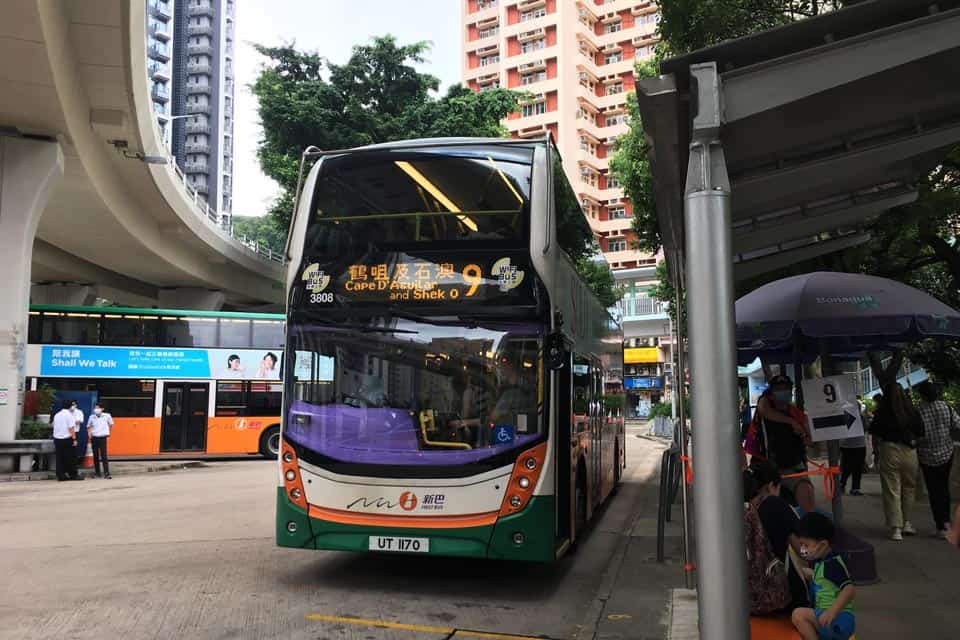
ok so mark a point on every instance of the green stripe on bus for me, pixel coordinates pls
(52, 308)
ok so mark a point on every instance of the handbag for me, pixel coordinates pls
(767, 581)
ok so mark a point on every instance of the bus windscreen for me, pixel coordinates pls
(408, 197)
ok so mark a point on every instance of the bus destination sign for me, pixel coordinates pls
(407, 279)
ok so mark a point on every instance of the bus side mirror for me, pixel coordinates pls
(555, 351)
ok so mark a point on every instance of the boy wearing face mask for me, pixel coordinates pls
(98, 428)
(831, 589)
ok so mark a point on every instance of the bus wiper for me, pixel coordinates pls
(411, 315)
(362, 328)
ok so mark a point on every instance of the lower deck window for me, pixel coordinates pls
(249, 398)
(122, 398)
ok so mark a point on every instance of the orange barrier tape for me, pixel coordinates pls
(829, 477)
(687, 468)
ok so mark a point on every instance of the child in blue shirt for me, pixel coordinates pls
(831, 589)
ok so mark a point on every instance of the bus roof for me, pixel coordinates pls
(185, 313)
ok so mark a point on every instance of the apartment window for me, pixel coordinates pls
(533, 45)
(613, 121)
(530, 78)
(617, 244)
(486, 4)
(494, 59)
(533, 14)
(612, 27)
(617, 213)
(493, 85)
(533, 109)
(612, 183)
(614, 88)
(617, 56)
(489, 32)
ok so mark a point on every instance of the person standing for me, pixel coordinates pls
(898, 426)
(98, 429)
(65, 443)
(935, 452)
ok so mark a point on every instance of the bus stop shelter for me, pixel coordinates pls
(767, 151)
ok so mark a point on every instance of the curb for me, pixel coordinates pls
(51, 475)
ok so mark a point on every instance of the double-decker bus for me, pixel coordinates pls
(176, 382)
(444, 386)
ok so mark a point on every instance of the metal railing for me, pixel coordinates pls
(640, 307)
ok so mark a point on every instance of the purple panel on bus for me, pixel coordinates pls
(376, 436)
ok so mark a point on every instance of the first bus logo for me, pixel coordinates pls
(408, 501)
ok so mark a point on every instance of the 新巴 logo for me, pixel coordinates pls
(408, 501)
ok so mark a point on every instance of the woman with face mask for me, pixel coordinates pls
(784, 430)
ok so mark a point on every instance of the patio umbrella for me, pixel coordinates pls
(846, 313)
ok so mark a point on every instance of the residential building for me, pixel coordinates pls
(159, 47)
(576, 58)
(198, 112)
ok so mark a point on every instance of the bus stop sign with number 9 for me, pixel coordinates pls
(832, 408)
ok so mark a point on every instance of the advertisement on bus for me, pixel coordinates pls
(72, 361)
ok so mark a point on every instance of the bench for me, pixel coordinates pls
(18, 455)
(774, 628)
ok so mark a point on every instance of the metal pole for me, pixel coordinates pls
(718, 489)
(673, 365)
(679, 380)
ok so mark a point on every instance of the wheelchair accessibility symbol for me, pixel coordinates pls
(503, 433)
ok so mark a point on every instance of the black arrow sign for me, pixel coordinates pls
(838, 420)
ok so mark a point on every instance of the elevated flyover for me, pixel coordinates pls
(89, 196)
(766, 151)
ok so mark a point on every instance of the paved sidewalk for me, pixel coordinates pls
(117, 468)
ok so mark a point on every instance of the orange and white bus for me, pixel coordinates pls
(176, 382)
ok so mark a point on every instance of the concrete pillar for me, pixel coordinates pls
(62, 293)
(191, 298)
(29, 171)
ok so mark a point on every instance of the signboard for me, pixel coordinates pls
(641, 355)
(832, 408)
(643, 382)
(421, 279)
(68, 361)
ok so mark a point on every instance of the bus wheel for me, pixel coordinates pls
(580, 504)
(270, 442)
(617, 469)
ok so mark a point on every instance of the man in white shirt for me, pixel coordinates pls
(98, 428)
(65, 442)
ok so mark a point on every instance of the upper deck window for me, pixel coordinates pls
(466, 194)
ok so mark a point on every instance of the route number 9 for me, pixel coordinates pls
(473, 275)
(829, 393)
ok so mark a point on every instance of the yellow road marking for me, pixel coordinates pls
(619, 616)
(402, 626)
(381, 624)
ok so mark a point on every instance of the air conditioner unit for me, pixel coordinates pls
(610, 47)
(585, 171)
(613, 201)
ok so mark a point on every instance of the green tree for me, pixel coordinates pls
(597, 274)
(261, 229)
(377, 96)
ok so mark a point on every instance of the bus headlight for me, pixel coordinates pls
(287, 456)
(515, 502)
(290, 475)
(519, 538)
(295, 493)
(530, 464)
(292, 526)
(524, 482)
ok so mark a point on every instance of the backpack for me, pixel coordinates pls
(767, 581)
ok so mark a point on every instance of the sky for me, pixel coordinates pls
(332, 28)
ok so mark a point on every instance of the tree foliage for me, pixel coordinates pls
(377, 96)
(262, 230)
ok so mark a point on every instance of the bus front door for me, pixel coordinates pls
(184, 423)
